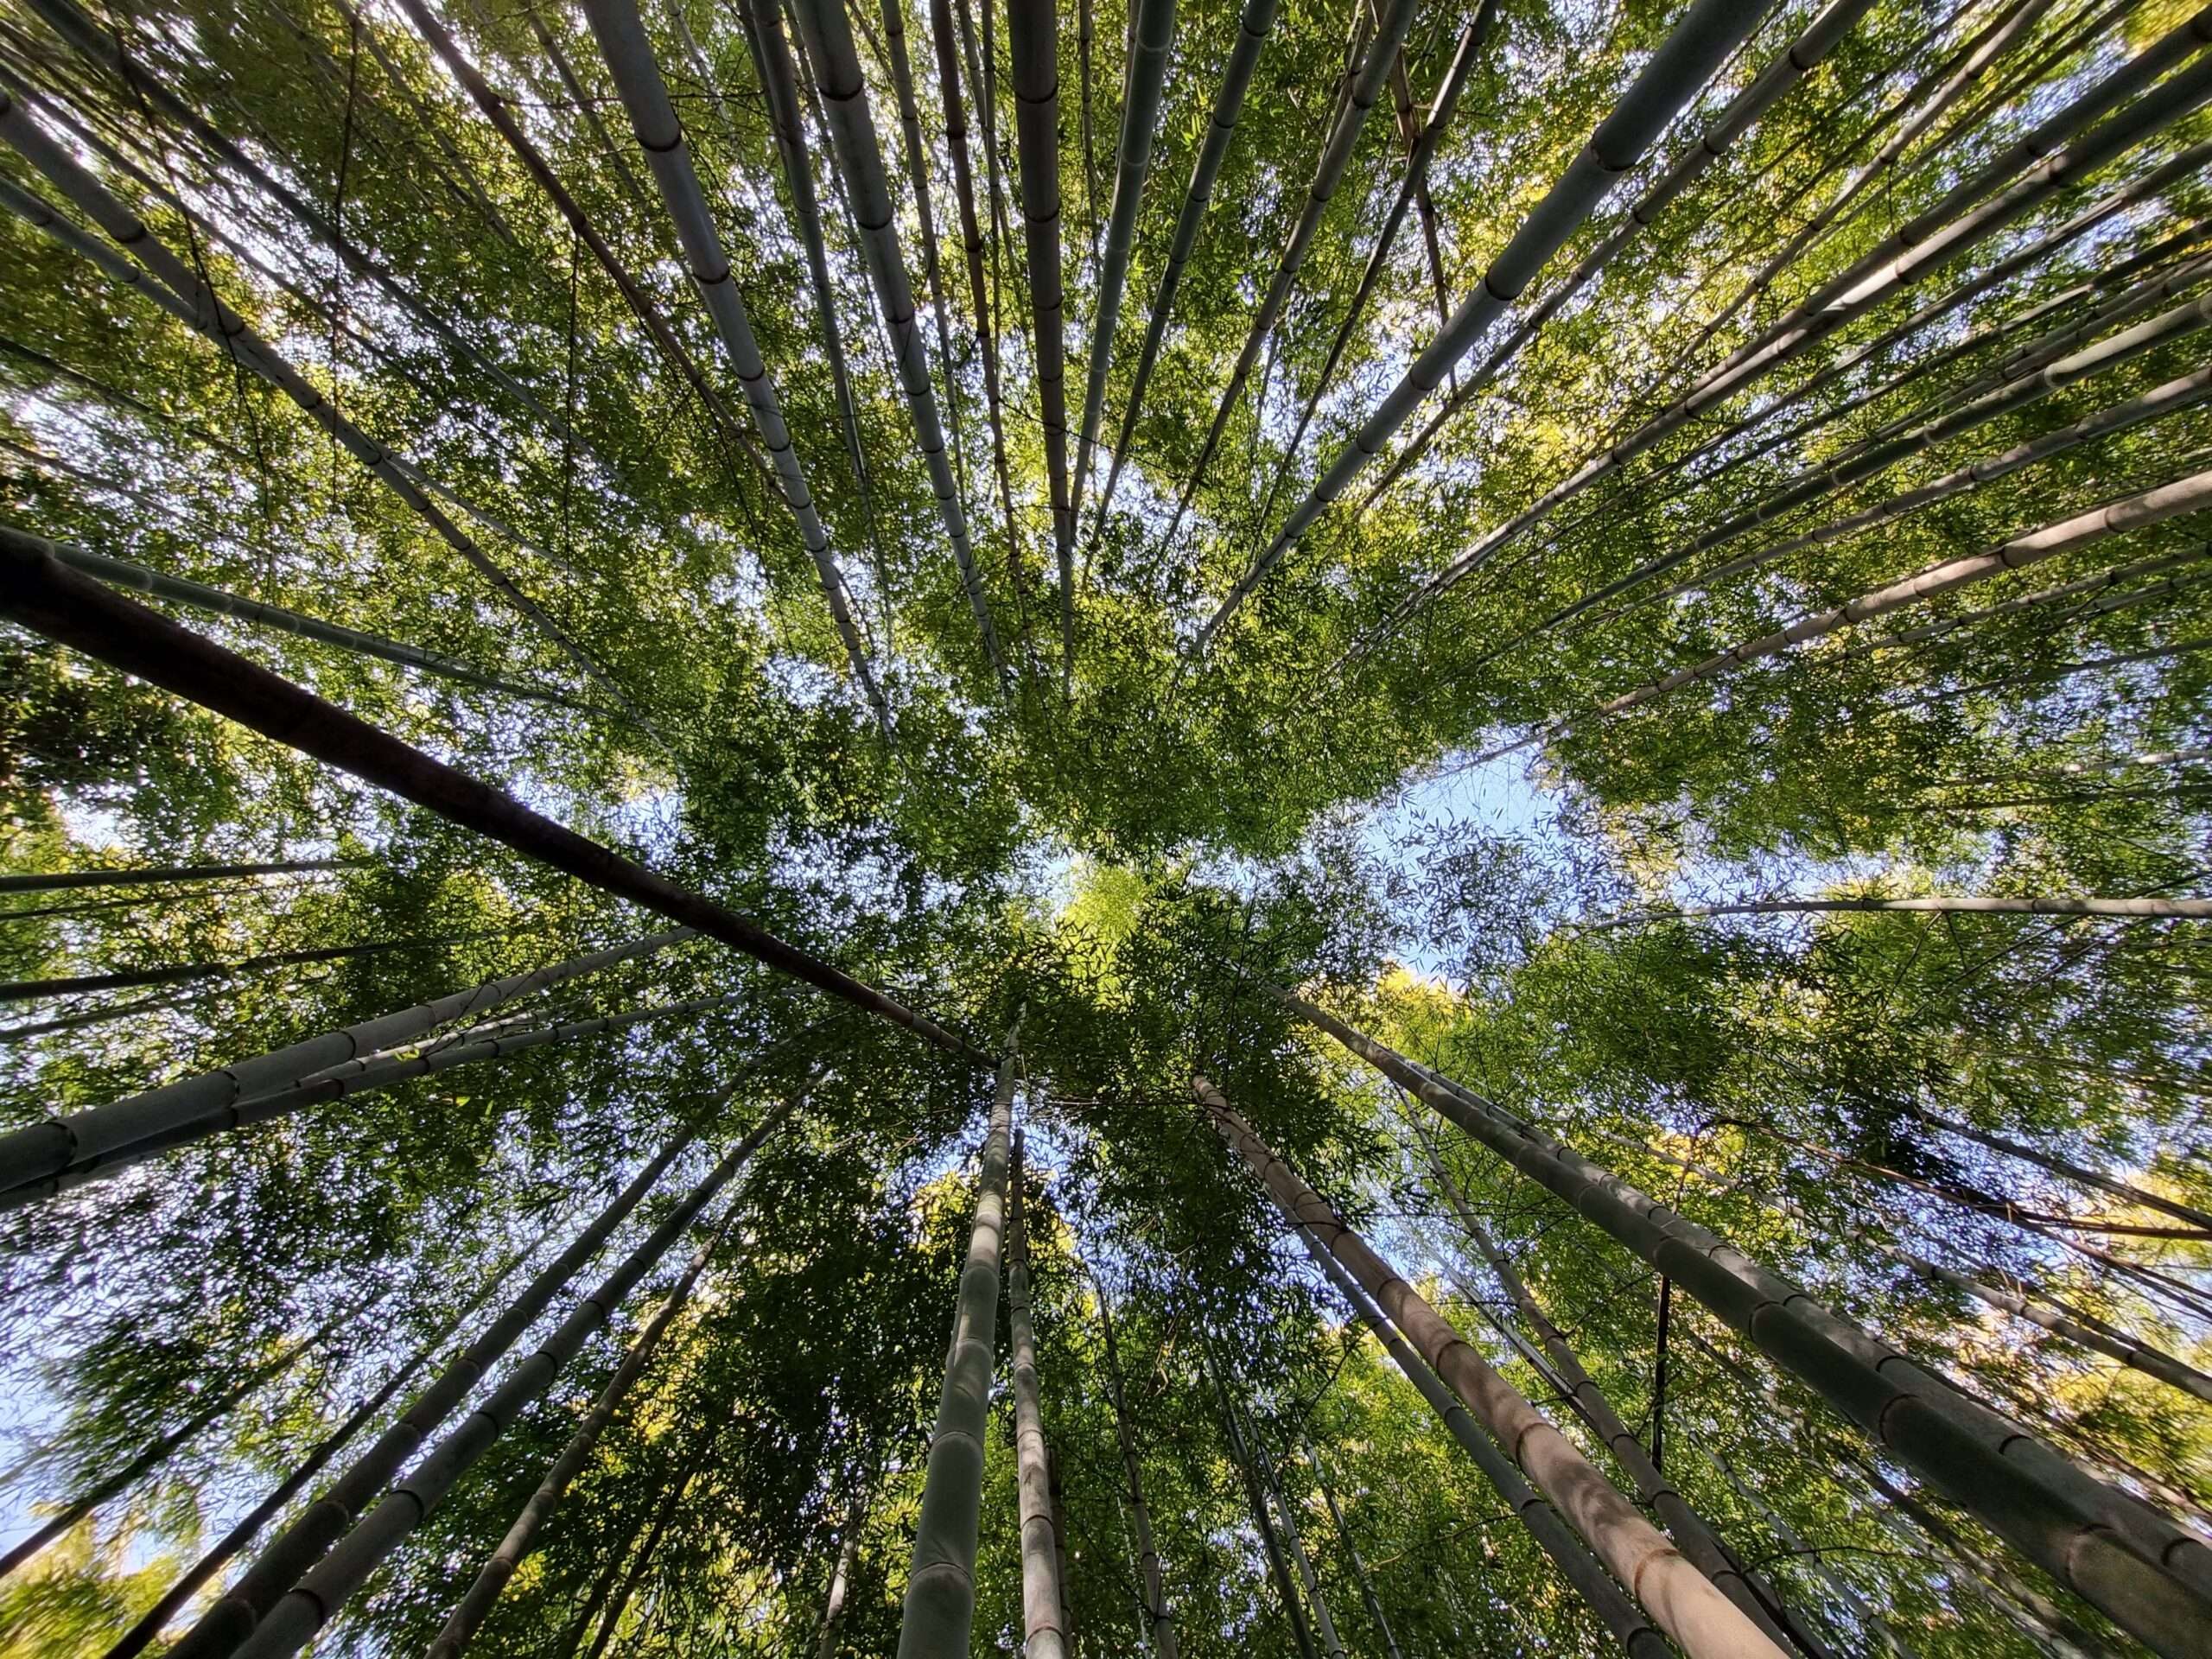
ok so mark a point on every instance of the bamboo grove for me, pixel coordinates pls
(1210, 827)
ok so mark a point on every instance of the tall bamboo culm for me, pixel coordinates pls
(46, 1148)
(308, 1606)
(939, 1608)
(2117, 1552)
(223, 1627)
(1158, 1621)
(1685, 1604)
(1043, 1633)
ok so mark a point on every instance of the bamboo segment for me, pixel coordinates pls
(343, 1082)
(41, 594)
(1158, 1621)
(1256, 1495)
(1254, 24)
(1811, 323)
(622, 40)
(860, 160)
(1798, 59)
(61, 880)
(939, 1608)
(2197, 909)
(1411, 188)
(48, 1149)
(1620, 1616)
(1681, 1599)
(1670, 78)
(1691, 1534)
(294, 1621)
(1043, 1629)
(492, 1579)
(2117, 1552)
(1153, 40)
(1032, 40)
(234, 1616)
(179, 1595)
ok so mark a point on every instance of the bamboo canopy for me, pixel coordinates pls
(1610, 1026)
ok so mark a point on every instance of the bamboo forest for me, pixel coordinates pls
(1311, 828)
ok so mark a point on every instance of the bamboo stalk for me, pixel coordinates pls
(25, 990)
(1669, 78)
(1256, 1495)
(1363, 91)
(39, 594)
(1044, 1626)
(179, 1595)
(174, 288)
(1255, 22)
(308, 1605)
(1151, 43)
(233, 1617)
(2118, 1553)
(494, 1576)
(1033, 41)
(62, 880)
(1367, 1595)
(860, 160)
(1159, 1621)
(46, 1148)
(1692, 1534)
(939, 1607)
(1681, 1599)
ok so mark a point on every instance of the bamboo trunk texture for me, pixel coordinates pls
(1032, 40)
(343, 1082)
(27, 990)
(492, 1579)
(225, 1625)
(2118, 1553)
(1681, 1600)
(841, 1581)
(1795, 62)
(629, 54)
(1256, 1495)
(46, 1148)
(118, 573)
(1696, 1540)
(1158, 1621)
(41, 594)
(1043, 1631)
(1670, 78)
(295, 1620)
(74, 1510)
(1810, 323)
(1255, 22)
(939, 1608)
(61, 880)
(1367, 1596)
(860, 160)
(1622, 1618)
(1150, 46)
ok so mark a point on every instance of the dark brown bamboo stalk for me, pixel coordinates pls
(37, 592)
